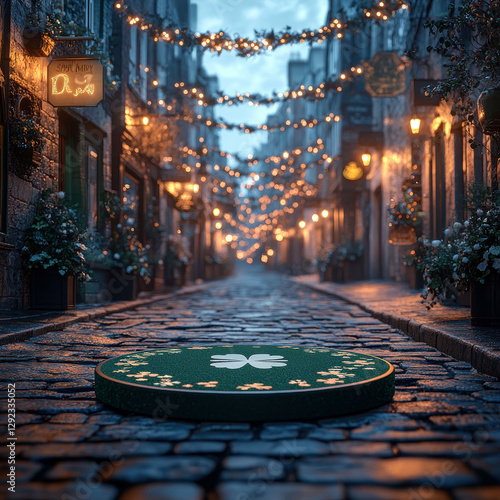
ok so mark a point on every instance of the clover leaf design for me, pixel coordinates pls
(235, 361)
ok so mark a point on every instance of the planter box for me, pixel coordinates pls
(401, 235)
(51, 290)
(485, 302)
(123, 286)
(96, 290)
(414, 277)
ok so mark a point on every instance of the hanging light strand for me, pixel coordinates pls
(310, 92)
(266, 40)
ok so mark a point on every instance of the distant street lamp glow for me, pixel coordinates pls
(270, 252)
(366, 159)
(218, 225)
(229, 238)
(324, 214)
(415, 125)
(302, 224)
(315, 217)
(145, 120)
(216, 212)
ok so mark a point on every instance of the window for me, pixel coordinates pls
(81, 167)
(90, 15)
(131, 200)
(92, 188)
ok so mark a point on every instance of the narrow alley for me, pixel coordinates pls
(439, 439)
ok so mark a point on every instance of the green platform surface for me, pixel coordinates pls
(245, 382)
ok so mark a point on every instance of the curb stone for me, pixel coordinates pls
(484, 360)
(94, 313)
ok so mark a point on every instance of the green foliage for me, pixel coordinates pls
(470, 251)
(25, 135)
(468, 41)
(405, 212)
(123, 249)
(56, 238)
(338, 253)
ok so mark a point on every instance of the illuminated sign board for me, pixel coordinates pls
(352, 171)
(75, 81)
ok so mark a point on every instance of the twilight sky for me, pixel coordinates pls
(260, 73)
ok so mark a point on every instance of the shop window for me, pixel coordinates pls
(131, 200)
(81, 175)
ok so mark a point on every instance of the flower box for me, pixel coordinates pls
(401, 235)
(51, 290)
(485, 301)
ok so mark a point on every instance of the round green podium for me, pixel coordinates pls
(244, 382)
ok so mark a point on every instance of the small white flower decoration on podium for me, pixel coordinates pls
(235, 361)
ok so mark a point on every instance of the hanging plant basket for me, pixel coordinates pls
(488, 110)
(37, 42)
(401, 235)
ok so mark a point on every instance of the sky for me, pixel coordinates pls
(261, 73)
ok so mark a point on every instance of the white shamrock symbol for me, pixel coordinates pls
(235, 361)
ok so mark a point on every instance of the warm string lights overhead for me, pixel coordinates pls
(265, 40)
(251, 129)
(185, 151)
(308, 92)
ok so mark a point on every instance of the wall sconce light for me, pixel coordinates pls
(415, 125)
(315, 217)
(324, 214)
(366, 158)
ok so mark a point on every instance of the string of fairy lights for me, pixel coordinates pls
(251, 129)
(166, 30)
(309, 92)
(291, 191)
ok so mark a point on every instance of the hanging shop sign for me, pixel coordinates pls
(385, 75)
(75, 81)
(352, 171)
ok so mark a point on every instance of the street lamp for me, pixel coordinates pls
(415, 125)
(216, 212)
(324, 214)
(366, 158)
(315, 217)
(302, 224)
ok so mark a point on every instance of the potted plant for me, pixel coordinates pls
(348, 258)
(53, 252)
(411, 261)
(439, 264)
(479, 257)
(405, 215)
(323, 261)
(129, 260)
(177, 259)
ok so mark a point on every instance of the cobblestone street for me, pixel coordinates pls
(439, 439)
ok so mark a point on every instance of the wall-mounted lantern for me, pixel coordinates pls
(415, 125)
(366, 159)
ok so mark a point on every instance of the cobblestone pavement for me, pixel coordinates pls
(439, 439)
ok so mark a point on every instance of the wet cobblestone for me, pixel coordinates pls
(438, 439)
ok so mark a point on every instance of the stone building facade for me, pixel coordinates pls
(122, 146)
